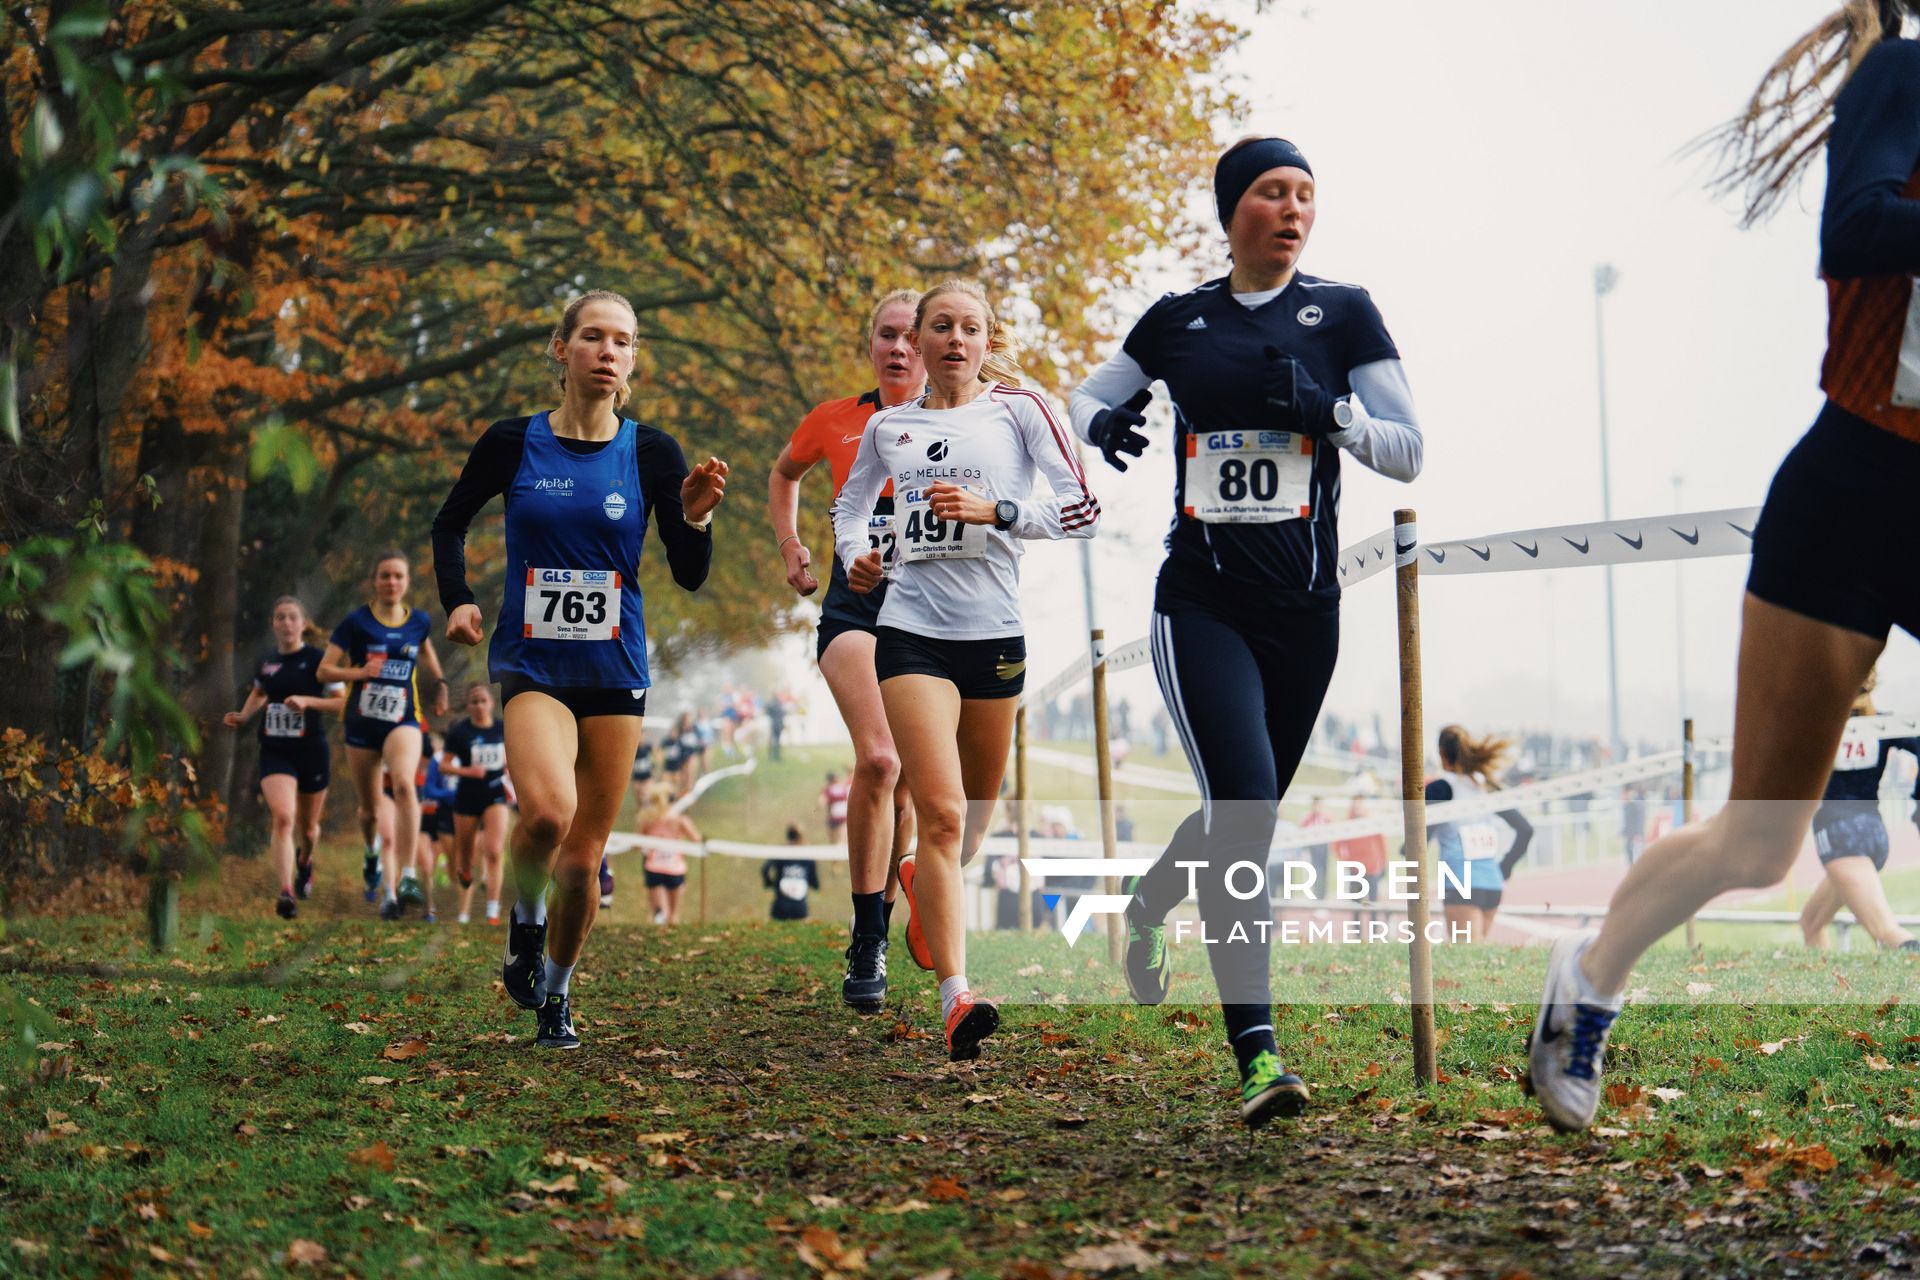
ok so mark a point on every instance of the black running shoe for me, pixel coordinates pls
(391, 909)
(864, 988)
(1149, 963)
(524, 972)
(284, 905)
(303, 877)
(556, 1024)
(370, 874)
(1268, 1089)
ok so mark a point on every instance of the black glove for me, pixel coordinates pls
(1303, 404)
(1112, 430)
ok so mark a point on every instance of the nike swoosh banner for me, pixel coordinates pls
(1693, 536)
(1642, 541)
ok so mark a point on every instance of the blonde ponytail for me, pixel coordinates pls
(1767, 147)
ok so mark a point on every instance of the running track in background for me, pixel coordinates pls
(1592, 884)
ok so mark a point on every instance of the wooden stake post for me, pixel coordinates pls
(1413, 797)
(1103, 759)
(1021, 823)
(1686, 807)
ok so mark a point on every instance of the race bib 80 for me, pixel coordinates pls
(383, 702)
(1248, 477)
(572, 604)
(284, 721)
(923, 535)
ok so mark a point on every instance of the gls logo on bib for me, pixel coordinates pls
(614, 505)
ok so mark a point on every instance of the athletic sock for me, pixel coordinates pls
(886, 914)
(531, 910)
(373, 850)
(493, 906)
(1587, 994)
(950, 991)
(559, 977)
(869, 915)
(1249, 1032)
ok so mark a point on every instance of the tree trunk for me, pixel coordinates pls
(214, 685)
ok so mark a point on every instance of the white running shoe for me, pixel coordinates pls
(1569, 1039)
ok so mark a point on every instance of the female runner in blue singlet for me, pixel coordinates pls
(570, 648)
(379, 648)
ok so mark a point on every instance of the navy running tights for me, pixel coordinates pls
(1244, 694)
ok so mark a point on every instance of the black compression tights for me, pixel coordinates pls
(1244, 699)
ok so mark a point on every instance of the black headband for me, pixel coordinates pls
(1239, 168)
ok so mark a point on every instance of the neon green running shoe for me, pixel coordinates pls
(1149, 964)
(1268, 1090)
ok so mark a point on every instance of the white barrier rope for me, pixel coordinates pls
(1648, 540)
(1689, 536)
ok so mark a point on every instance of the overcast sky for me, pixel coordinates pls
(1475, 162)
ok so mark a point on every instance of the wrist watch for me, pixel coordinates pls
(1005, 512)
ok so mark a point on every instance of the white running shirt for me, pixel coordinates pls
(953, 582)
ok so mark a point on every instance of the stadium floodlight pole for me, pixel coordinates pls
(1680, 614)
(1604, 278)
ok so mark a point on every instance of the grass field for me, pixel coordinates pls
(351, 1099)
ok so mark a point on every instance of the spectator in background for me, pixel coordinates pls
(1317, 853)
(790, 879)
(776, 723)
(1122, 824)
(833, 798)
(1633, 823)
(1369, 851)
(1159, 724)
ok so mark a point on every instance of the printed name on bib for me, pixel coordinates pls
(383, 702)
(572, 604)
(284, 721)
(925, 536)
(1248, 477)
(489, 755)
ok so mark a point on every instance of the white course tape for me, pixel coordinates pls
(1688, 536)
(1643, 541)
(707, 780)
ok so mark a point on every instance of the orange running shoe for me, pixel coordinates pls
(916, 937)
(970, 1022)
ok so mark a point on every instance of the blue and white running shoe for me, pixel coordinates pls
(1569, 1039)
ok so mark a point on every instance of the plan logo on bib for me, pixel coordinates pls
(614, 505)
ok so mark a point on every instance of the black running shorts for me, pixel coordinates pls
(1835, 539)
(977, 668)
